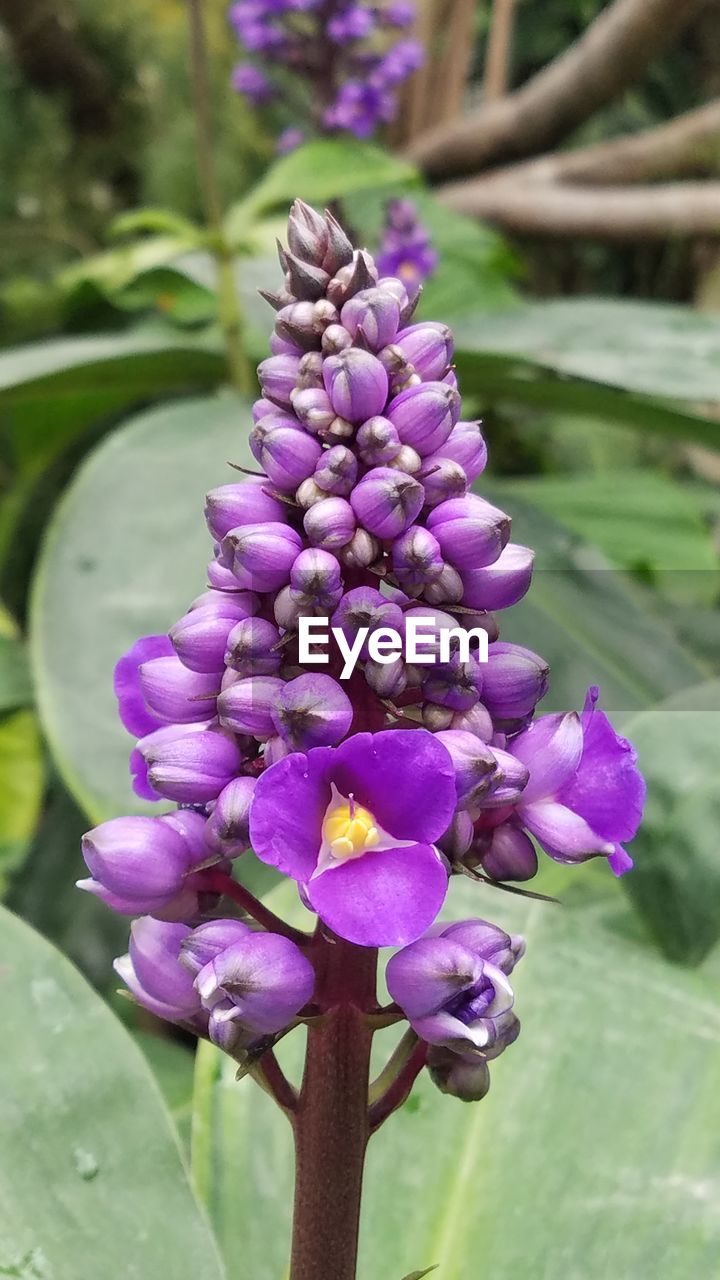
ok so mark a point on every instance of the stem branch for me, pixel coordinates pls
(219, 882)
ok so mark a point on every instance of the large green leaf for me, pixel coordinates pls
(22, 774)
(319, 172)
(126, 554)
(676, 882)
(564, 1170)
(91, 1178)
(15, 682)
(592, 625)
(641, 520)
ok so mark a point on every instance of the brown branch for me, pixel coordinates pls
(52, 56)
(624, 213)
(499, 50)
(610, 55)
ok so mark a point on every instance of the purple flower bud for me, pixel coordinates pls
(193, 769)
(476, 720)
(474, 764)
(330, 524)
(296, 323)
(278, 377)
(488, 941)
(378, 441)
(459, 836)
(354, 23)
(307, 233)
(515, 681)
(154, 974)
(222, 579)
(304, 280)
(308, 493)
(362, 550)
(356, 383)
(335, 339)
(442, 481)
(275, 749)
(425, 415)
(360, 273)
(314, 409)
(339, 252)
(375, 313)
(246, 503)
(200, 637)
(317, 575)
(310, 371)
(401, 375)
(252, 83)
(436, 718)
(262, 554)
(452, 995)
(283, 347)
(144, 748)
(465, 1076)
(386, 502)
(471, 532)
(399, 13)
(416, 559)
(245, 707)
(201, 945)
(447, 587)
(312, 711)
(428, 348)
(366, 607)
(387, 679)
(288, 607)
(227, 831)
(466, 446)
(407, 460)
(258, 984)
(134, 712)
(455, 684)
(336, 470)
(506, 853)
(250, 648)
(142, 861)
(261, 408)
(263, 427)
(508, 783)
(289, 457)
(176, 695)
(501, 584)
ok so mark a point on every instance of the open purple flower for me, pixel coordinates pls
(585, 794)
(356, 826)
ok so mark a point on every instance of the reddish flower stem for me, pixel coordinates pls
(400, 1089)
(219, 882)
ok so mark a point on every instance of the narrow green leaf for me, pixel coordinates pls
(91, 1178)
(318, 172)
(15, 683)
(418, 1275)
(22, 772)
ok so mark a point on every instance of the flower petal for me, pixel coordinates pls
(552, 753)
(287, 811)
(444, 1029)
(620, 861)
(423, 977)
(405, 777)
(564, 835)
(387, 898)
(131, 704)
(608, 790)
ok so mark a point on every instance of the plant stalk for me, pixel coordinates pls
(230, 311)
(331, 1123)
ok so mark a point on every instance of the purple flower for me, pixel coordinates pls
(502, 583)
(154, 974)
(194, 768)
(254, 987)
(454, 988)
(227, 831)
(289, 140)
(356, 826)
(585, 794)
(138, 865)
(354, 23)
(134, 713)
(252, 83)
(406, 250)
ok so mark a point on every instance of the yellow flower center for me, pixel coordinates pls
(349, 830)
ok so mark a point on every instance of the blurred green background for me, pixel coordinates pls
(596, 369)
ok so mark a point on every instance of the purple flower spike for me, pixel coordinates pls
(134, 712)
(452, 995)
(356, 826)
(246, 706)
(501, 584)
(142, 861)
(154, 974)
(259, 983)
(175, 695)
(586, 794)
(356, 383)
(425, 415)
(245, 503)
(386, 502)
(312, 711)
(227, 831)
(195, 768)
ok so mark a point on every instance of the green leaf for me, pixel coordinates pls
(641, 520)
(22, 773)
(15, 683)
(159, 221)
(320, 171)
(418, 1275)
(591, 624)
(676, 882)
(91, 1179)
(568, 1138)
(126, 553)
(115, 268)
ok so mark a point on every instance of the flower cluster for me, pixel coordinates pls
(345, 56)
(369, 793)
(406, 250)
